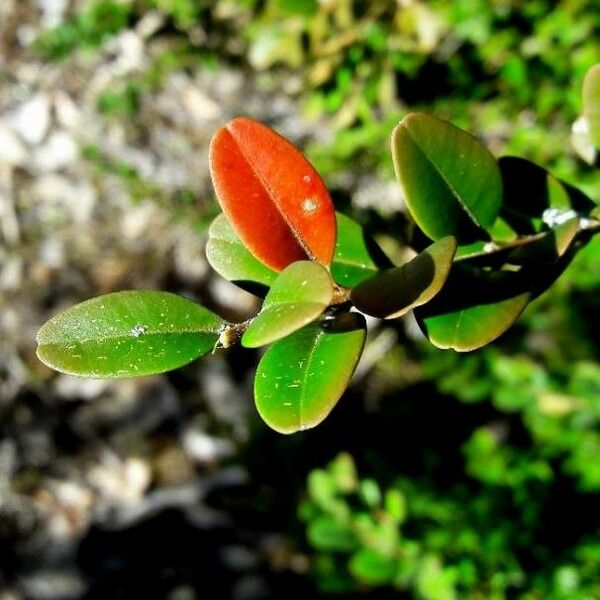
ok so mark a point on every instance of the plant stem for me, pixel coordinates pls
(588, 227)
(232, 333)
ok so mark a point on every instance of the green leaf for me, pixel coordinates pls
(530, 190)
(525, 191)
(395, 505)
(343, 472)
(394, 292)
(543, 248)
(357, 256)
(591, 104)
(326, 533)
(128, 334)
(372, 567)
(474, 307)
(450, 181)
(229, 257)
(301, 377)
(433, 581)
(370, 492)
(299, 295)
(547, 247)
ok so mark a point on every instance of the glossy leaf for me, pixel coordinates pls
(128, 334)
(450, 181)
(230, 258)
(273, 197)
(548, 247)
(530, 190)
(474, 307)
(299, 295)
(525, 191)
(357, 256)
(301, 377)
(591, 104)
(394, 292)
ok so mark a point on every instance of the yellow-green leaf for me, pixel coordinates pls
(128, 334)
(301, 377)
(299, 295)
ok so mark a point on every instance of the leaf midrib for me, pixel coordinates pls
(309, 359)
(272, 195)
(130, 337)
(443, 178)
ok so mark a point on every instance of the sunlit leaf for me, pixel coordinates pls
(450, 181)
(299, 295)
(394, 292)
(301, 377)
(357, 256)
(372, 567)
(591, 103)
(272, 196)
(128, 334)
(230, 258)
(474, 307)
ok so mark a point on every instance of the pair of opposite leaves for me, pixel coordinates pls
(282, 212)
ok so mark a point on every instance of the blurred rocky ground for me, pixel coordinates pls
(104, 483)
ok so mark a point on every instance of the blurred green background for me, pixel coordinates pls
(439, 475)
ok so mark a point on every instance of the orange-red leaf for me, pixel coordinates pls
(273, 197)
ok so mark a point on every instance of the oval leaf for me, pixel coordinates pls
(530, 190)
(547, 247)
(299, 295)
(591, 104)
(229, 258)
(474, 308)
(128, 334)
(301, 377)
(450, 181)
(525, 191)
(273, 197)
(539, 249)
(394, 292)
(357, 256)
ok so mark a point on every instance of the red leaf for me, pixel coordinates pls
(273, 197)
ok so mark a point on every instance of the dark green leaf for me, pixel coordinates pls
(357, 256)
(298, 296)
(394, 292)
(128, 334)
(542, 248)
(530, 190)
(525, 191)
(547, 247)
(450, 181)
(230, 258)
(474, 307)
(301, 377)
